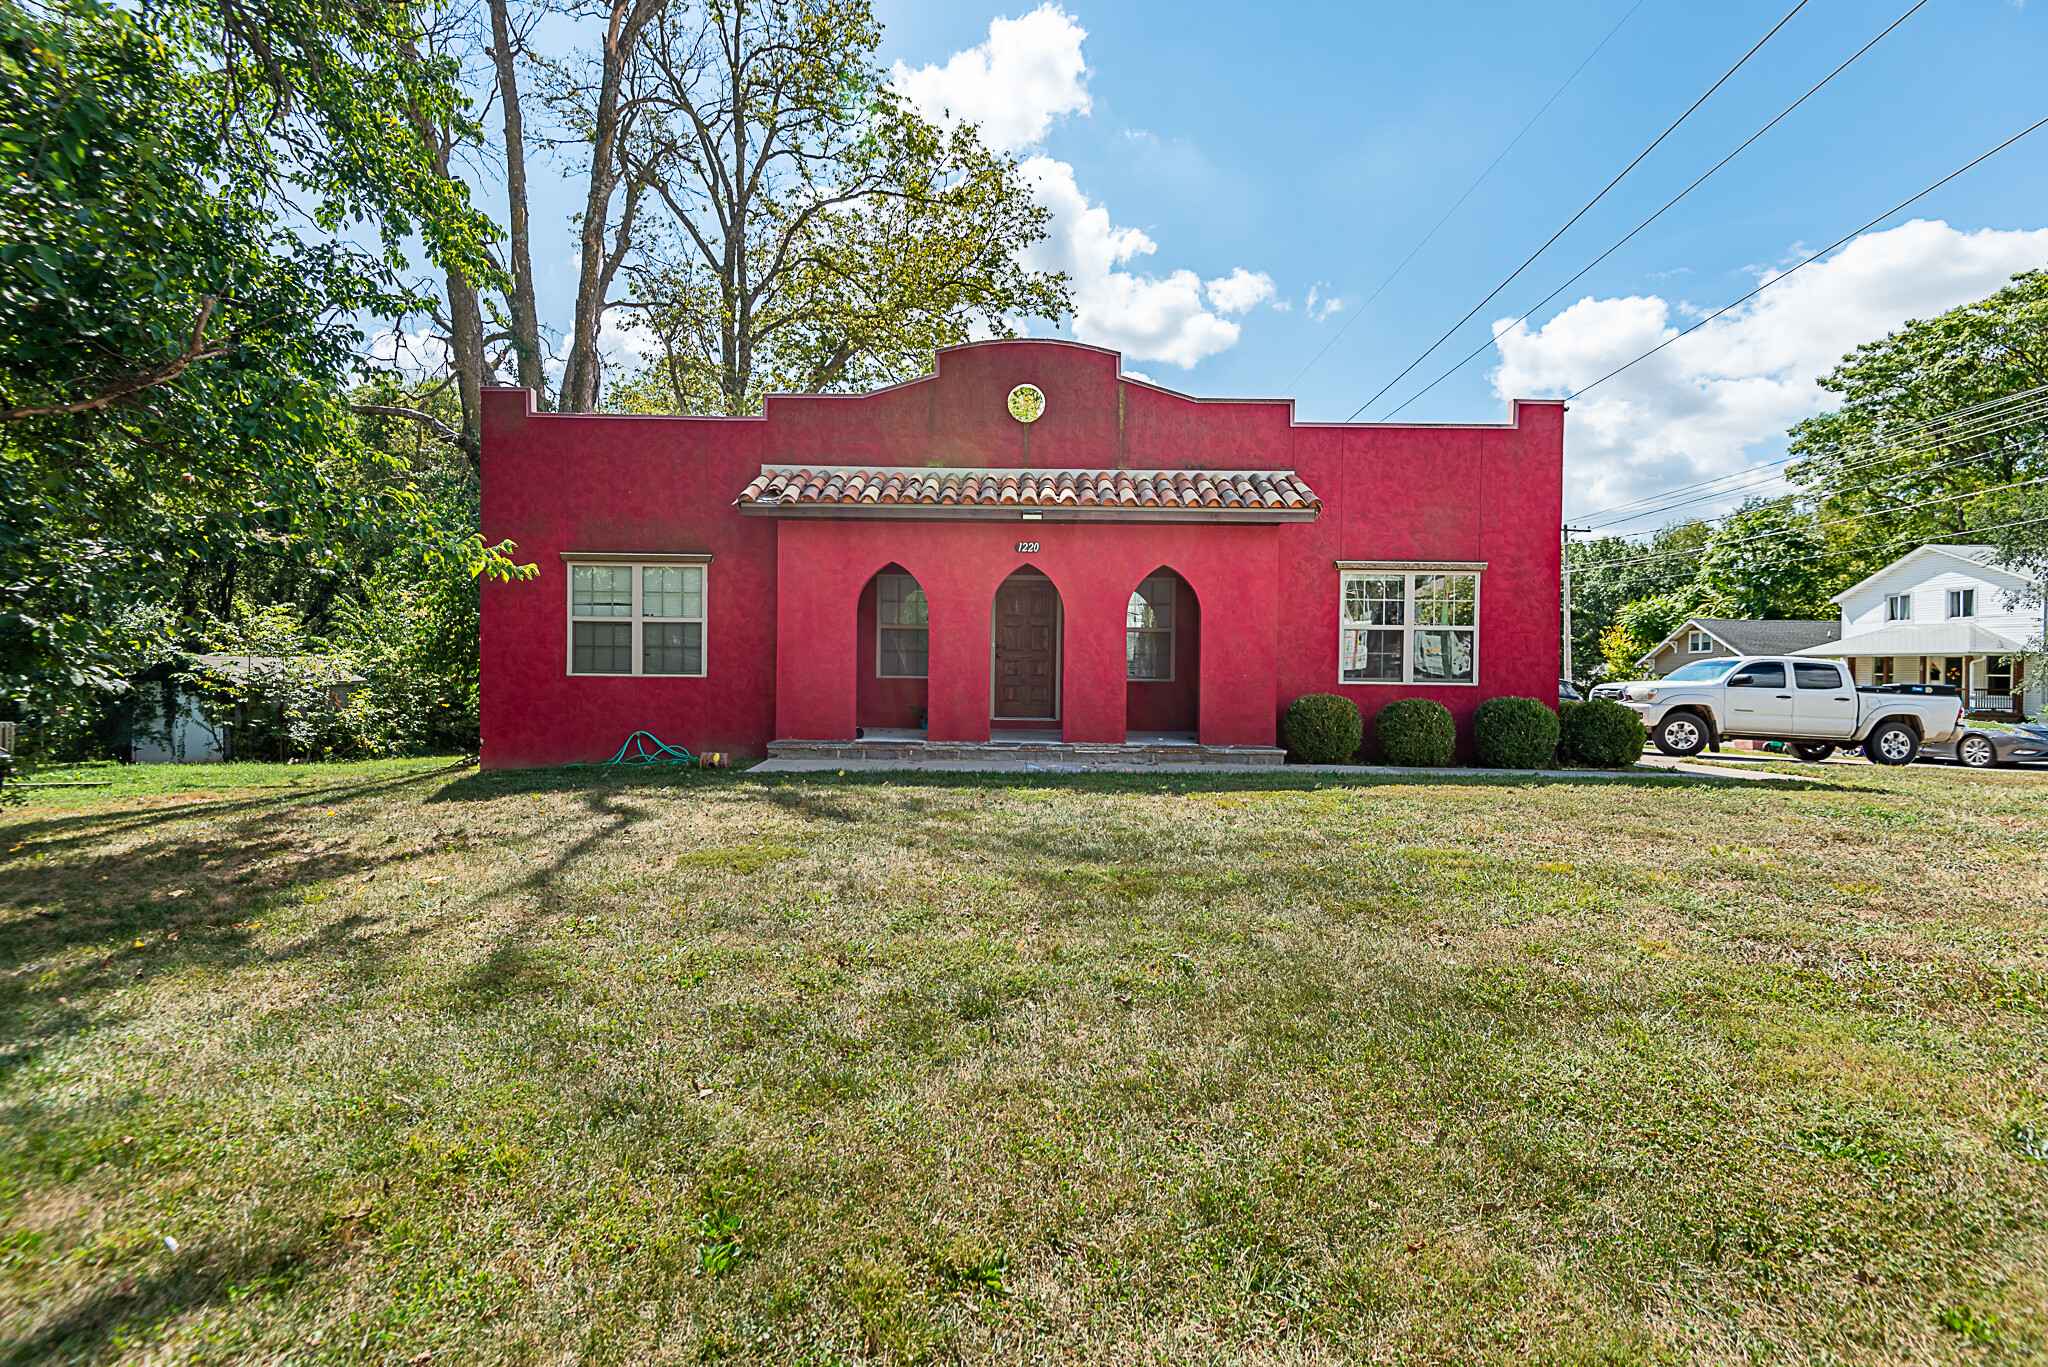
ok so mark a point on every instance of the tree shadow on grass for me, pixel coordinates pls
(193, 1280)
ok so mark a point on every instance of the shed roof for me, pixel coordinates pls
(1056, 495)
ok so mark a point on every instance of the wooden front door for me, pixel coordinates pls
(1026, 630)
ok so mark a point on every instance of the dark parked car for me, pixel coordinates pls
(2026, 742)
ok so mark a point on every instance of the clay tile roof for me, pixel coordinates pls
(1234, 494)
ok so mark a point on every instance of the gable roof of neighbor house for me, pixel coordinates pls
(1755, 635)
(1976, 557)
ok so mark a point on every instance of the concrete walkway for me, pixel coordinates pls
(1653, 766)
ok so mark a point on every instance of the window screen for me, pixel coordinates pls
(903, 643)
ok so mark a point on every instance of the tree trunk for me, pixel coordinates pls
(525, 314)
(465, 314)
(582, 373)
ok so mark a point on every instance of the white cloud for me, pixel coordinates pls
(1029, 72)
(1691, 412)
(1240, 290)
(1137, 375)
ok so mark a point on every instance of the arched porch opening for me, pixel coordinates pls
(1162, 659)
(1026, 633)
(892, 654)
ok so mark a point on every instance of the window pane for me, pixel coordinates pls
(601, 648)
(1151, 604)
(1445, 600)
(905, 653)
(1443, 656)
(1817, 676)
(1767, 674)
(672, 648)
(693, 590)
(1148, 655)
(661, 591)
(1371, 657)
(1375, 602)
(601, 591)
(903, 602)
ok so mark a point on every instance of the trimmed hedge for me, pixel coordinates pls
(1514, 733)
(1416, 732)
(1601, 735)
(1322, 728)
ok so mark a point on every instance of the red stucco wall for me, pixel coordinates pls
(784, 619)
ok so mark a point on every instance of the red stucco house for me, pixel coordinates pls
(1024, 542)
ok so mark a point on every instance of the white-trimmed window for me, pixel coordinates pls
(1962, 602)
(1698, 643)
(1898, 607)
(634, 618)
(903, 630)
(1408, 628)
(1148, 631)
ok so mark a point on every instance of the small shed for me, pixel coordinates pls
(187, 712)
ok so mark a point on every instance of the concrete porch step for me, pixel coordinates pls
(899, 751)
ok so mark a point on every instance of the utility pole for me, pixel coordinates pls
(1567, 543)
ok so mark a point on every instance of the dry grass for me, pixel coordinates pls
(575, 1067)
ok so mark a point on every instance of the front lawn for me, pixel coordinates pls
(396, 1063)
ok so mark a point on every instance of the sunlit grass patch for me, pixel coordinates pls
(600, 1067)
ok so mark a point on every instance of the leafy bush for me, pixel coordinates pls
(1416, 732)
(1601, 735)
(1514, 733)
(1322, 728)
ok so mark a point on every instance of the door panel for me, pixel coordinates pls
(1823, 703)
(1763, 706)
(1026, 635)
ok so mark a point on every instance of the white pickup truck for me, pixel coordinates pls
(1812, 704)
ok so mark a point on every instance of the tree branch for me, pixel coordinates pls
(427, 420)
(195, 351)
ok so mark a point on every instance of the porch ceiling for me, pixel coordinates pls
(1073, 495)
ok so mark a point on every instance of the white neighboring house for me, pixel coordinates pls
(1945, 614)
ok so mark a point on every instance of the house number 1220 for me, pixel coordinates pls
(1027, 548)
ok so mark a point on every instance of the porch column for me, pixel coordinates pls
(815, 614)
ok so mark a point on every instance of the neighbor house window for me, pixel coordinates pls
(1148, 630)
(1962, 602)
(1898, 607)
(636, 619)
(1699, 643)
(1881, 670)
(1998, 676)
(904, 626)
(1409, 628)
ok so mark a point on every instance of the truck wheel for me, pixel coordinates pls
(1683, 734)
(1977, 751)
(1815, 753)
(1893, 742)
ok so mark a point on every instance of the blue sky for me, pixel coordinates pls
(1313, 147)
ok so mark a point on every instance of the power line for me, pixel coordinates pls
(1974, 412)
(1807, 261)
(1880, 548)
(1988, 427)
(1490, 341)
(1815, 526)
(1462, 198)
(1583, 211)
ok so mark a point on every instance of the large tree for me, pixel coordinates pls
(1902, 457)
(174, 359)
(783, 218)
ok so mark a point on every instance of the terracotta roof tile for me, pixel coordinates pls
(823, 488)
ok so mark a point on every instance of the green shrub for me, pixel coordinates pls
(1416, 732)
(1322, 728)
(1514, 733)
(1601, 735)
